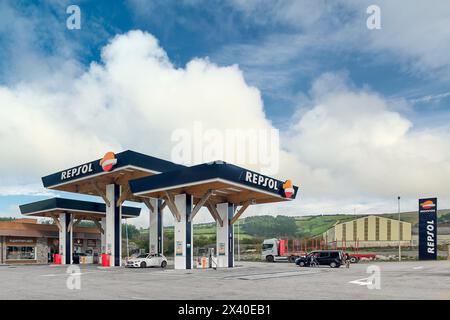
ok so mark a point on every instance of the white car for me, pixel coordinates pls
(147, 260)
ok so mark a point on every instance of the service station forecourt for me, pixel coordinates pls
(224, 189)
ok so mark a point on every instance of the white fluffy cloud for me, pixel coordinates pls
(349, 147)
(134, 99)
(367, 149)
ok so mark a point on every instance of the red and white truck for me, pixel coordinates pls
(281, 250)
(277, 250)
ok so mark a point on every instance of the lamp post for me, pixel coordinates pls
(399, 226)
(126, 232)
(238, 244)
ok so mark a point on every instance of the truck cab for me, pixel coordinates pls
(270, 250)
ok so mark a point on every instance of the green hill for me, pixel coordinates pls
(307, 226)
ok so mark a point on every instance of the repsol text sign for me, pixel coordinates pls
(76, 172)
(261, 181)
(285, 189)
(428, 229)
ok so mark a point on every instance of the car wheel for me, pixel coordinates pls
(163, 264)
(354, 260)
(143, 264)
(333, 264)
(270, 259)
(301, 264)
(291, 259)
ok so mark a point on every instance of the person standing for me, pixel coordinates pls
(347, 260)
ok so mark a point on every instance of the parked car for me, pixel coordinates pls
(332, 258)
(147, 260)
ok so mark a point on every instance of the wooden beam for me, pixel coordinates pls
(57, 222)
(123, 196)
(78, 222)
(173, 208)
(99, 226)
(148, 204)
(240, 211)
(163, 205)
(71, 224)
(200, 204)
(212, 209)
(101, 193)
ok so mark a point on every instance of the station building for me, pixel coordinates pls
(369, 231)
(25, 241)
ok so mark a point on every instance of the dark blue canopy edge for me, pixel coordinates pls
(125, 158)
(204, 172)
(73, 205)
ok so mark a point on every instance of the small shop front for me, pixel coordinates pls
(24, 241)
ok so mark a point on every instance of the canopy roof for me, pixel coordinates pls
(226, 182)
(91, 178)
(54, 206)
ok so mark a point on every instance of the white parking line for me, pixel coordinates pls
(65, 274)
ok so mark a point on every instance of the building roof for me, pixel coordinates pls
(49, 207)
(363, 217)
(229, 183)
(17, 228)
(91, 177)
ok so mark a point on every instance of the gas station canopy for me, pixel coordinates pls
(220, 187)
(92, 177)
(54, 206)
(222, 182)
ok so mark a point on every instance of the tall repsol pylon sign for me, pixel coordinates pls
(428, 229)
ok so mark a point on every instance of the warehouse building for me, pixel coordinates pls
(26, 241)
(369, 231)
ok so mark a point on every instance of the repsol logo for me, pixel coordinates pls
(261, 180)
(430, 236)
(75, 172)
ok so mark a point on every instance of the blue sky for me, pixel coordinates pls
(283, 48)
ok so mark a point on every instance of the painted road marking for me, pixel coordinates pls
(361, 282)
(65, 274)
(417, 268)
(274, 275)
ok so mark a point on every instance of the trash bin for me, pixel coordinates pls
(57, 258)
(105, 260)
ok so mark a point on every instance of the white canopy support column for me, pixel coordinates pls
(103, 236)
(65, 237)
(113, 224)
(154, 234)
(225, 236)
(183, 232)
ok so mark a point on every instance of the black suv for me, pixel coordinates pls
(332, 258)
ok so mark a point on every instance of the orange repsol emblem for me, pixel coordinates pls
(426, 205)
(108, 161)
(288, 189)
